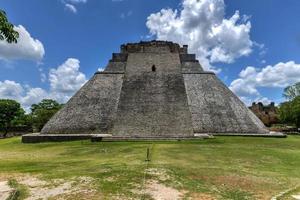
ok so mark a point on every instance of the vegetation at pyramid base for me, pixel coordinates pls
(7, 31)
(14, 119)
(10, 111)
(290, 112)
(43, 111)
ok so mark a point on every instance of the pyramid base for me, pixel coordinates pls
(38, 138)
(270, 134)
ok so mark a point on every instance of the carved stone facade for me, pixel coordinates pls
(267, 114)
(154, 89)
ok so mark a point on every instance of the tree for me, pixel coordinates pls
(9, 110)
(290, 111)
(43, 111)
(23, 122)
(292, 91)
(7, 31)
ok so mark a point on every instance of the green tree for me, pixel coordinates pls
(9, 111)
(23, 122)
(285, 109)
(292, 91)
(296, 111)
(43, 111)
(7, 31)
(289, 112)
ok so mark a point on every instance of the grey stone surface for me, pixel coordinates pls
(176, 100)
(215, 109)
(91, 110)
(191, 67)
(153, 103)
(115, 67)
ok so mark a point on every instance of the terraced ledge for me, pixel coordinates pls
(107, 138)
(37, 137)
(271, 134)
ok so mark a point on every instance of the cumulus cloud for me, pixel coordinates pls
(33, 96)
(202, 25)
(277, 76)
(26, 48)
(10, 90)
(23, 94)
(64, 80)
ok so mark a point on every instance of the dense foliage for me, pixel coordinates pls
(290, 112)
(14, 119)
(10, 110)
(43, 111)
(7, 31)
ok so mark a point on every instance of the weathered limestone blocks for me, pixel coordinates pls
(91, 110)
(154, 90)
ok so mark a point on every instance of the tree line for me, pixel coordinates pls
(289, 111)
(14, 118)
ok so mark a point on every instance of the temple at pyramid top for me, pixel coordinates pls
(154, 46)
(154, 89)
(188, 62)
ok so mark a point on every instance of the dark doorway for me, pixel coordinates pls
(153, 68)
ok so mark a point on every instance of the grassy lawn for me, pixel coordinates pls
(220, 168)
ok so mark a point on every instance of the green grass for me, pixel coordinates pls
(225, 167)
(19, 192)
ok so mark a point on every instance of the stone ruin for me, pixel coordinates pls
(153, 90)
(268, 114)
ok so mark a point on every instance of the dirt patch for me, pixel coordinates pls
(159, 191)
(5, 190)
(161, 174)
(57, 188)
(234, 181)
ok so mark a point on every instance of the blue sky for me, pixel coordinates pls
(255, 51)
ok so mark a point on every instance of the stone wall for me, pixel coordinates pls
(154, 89)
(215, 109)
(91, 110)
(268, 114)
(153, 103)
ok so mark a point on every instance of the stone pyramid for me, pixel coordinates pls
(154, 89)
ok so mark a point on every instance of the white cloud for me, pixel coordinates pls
(10, 90)
(71, 8)
(64, 80)
(26, 47)
(69, 4)
(201, 25)
(33, 96)
(278, 76)
(100, 69)
(24, 95)
(77, 1)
